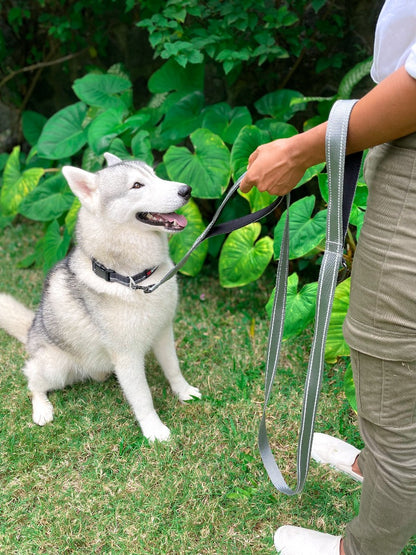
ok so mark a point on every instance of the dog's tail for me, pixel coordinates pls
(15, 318)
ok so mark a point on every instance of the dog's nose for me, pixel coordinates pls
(185, 192)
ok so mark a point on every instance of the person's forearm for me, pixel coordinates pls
(386, 113)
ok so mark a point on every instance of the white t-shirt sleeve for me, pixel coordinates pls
(410, 64)
(395, 39)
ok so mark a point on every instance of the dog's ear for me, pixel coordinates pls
(83, 184)
(112, 159)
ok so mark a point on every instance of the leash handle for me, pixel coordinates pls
(341, 194)
(213, 230)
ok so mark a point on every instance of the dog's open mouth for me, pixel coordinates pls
(170, 221)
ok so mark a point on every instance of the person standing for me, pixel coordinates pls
(380, 326)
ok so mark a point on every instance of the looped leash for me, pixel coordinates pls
(342, 178)
(341, 194)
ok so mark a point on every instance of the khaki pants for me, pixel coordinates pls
(386, 400)
(381, 330)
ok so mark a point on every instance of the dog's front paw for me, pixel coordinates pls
(188, 393)
(154, 429)
(42, 412)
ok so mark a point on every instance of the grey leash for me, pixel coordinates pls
(339, 206)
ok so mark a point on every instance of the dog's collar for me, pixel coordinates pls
(112, 276)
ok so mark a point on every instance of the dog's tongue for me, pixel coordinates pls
(178, 219)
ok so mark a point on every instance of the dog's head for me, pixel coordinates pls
(129, 190)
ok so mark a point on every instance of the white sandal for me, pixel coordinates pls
(292, 540)
(339, 454)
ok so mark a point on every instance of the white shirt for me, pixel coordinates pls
(395, 39)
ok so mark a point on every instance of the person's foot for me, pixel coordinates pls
(337, 453)
(293, 540)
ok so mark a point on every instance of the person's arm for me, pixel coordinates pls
(386, 113)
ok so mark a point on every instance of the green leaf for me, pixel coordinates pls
(279, 105)
(243, 259)
(102, 90)
(55, 245)
(335, 343)
(91, 162)
(180, 243)
(104, 128)
(32, 125)
(183, 117)
(48, 201)
(141, 147)
(258, 200)
(63, 134)
(249, 138)
(225, 121)
(17, 185)
(349, 387)
(300, 306)
(172, 77)
(305, 232)
(206, 170)
(276, 129)
(310, 173)
(118, 148)
(71, 217)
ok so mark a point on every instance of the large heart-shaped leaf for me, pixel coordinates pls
(225, 121)
(249, 138)
(16, 185)
(276, 129)
(180, 243)
(300, 306)
(63, 134)
(305, 232)
(172, 77)
(102, 90)
(183, 117)
(48, 201)
(279, 104)
(243, 259)
(104, 128)
(335, 343)
(206, 170)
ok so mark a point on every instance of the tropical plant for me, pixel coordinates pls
(204, 146)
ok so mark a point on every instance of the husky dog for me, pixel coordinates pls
(93, 318)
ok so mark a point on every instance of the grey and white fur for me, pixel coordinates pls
(86, 327)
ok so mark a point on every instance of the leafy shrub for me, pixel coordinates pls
(237, 33)
(204, 146)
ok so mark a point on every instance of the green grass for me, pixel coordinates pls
(90, 483)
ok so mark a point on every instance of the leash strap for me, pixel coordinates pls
(212, 230)
(341, 194)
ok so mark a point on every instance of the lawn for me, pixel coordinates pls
(90, 483)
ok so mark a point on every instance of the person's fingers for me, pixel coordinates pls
(246, 185)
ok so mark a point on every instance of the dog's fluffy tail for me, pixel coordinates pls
(15, 318)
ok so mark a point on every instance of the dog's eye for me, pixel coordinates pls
(137, 185)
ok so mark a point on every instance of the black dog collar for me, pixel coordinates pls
(129, 281)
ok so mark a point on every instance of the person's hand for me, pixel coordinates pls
(274, 167)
